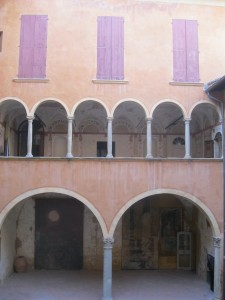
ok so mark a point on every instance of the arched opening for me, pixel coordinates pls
(91, 129)
(38, 138)
(53, 231)
(165, 231)
(204, 124)
(53, 118)
(12, 114)
(168, 131)
(129, 119)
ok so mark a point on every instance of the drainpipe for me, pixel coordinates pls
(223, 157)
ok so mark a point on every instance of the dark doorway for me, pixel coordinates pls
(59, 234)
(102, 149)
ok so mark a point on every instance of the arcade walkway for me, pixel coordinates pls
(87, 285)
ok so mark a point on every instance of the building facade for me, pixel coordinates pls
(111, 148)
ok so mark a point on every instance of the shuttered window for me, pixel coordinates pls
(185, 51)
(33, 46)
(110, 51)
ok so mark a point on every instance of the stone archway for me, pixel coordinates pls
(19, 236)
(145, 241)
(188, 196)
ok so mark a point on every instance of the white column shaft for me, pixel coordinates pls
(29, 137)
(109, 138)
(69, 138)
(107, 269)
(217, 269)
(187, 139)
(149, 139)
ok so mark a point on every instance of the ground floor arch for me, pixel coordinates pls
(169, 229)
(53, 230)
(139, 237)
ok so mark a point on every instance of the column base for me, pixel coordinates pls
(187, 156)
(149, 156)
(109, 156)
(107, 298)
(29, 155)
(69, 155)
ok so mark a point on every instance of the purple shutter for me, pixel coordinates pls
(192, 51)
(117, 48)
(179, 51)
(33, 42)
(40, 47)
(104, 48)
(26, 46)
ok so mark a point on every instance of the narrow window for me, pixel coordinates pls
(185, 51)
(110, 48)
(1, 38)
(33, 45)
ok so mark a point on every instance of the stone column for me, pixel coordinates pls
(217, 269)
(109, 138)
(107, 269)
(149, 138)
(30, 136)
(187, 139)
(69, 137)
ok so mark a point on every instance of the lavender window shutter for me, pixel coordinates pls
(179, 51)
(26, 46)
(104, 48)
(117, 48)
(40, 47)
(192, 51)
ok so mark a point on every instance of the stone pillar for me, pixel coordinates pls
(149, 138)
(217, 269)
(107, 269)
(109, 138)
(30, 137)
(69, 137)
(187, 139)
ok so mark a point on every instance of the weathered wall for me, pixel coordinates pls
(139, 248)
(71, 65)
(25, 231)
(8, 240)
(110, 184)
(92, 243)
(204, 244)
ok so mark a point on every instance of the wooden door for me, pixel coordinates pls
(58, 234)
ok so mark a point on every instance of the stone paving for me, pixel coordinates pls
(87, 285)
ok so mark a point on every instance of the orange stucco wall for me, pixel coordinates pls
(71, 67)
(110, 184)
(71, 53)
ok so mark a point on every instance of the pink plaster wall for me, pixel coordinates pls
(109, 184)
(71, 66)
(71, 53)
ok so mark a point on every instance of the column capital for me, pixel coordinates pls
(109, 118)
(108, 242)
(149, 119)
(30, 118)
(70, 118)
(187, 120)
(216, 242)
